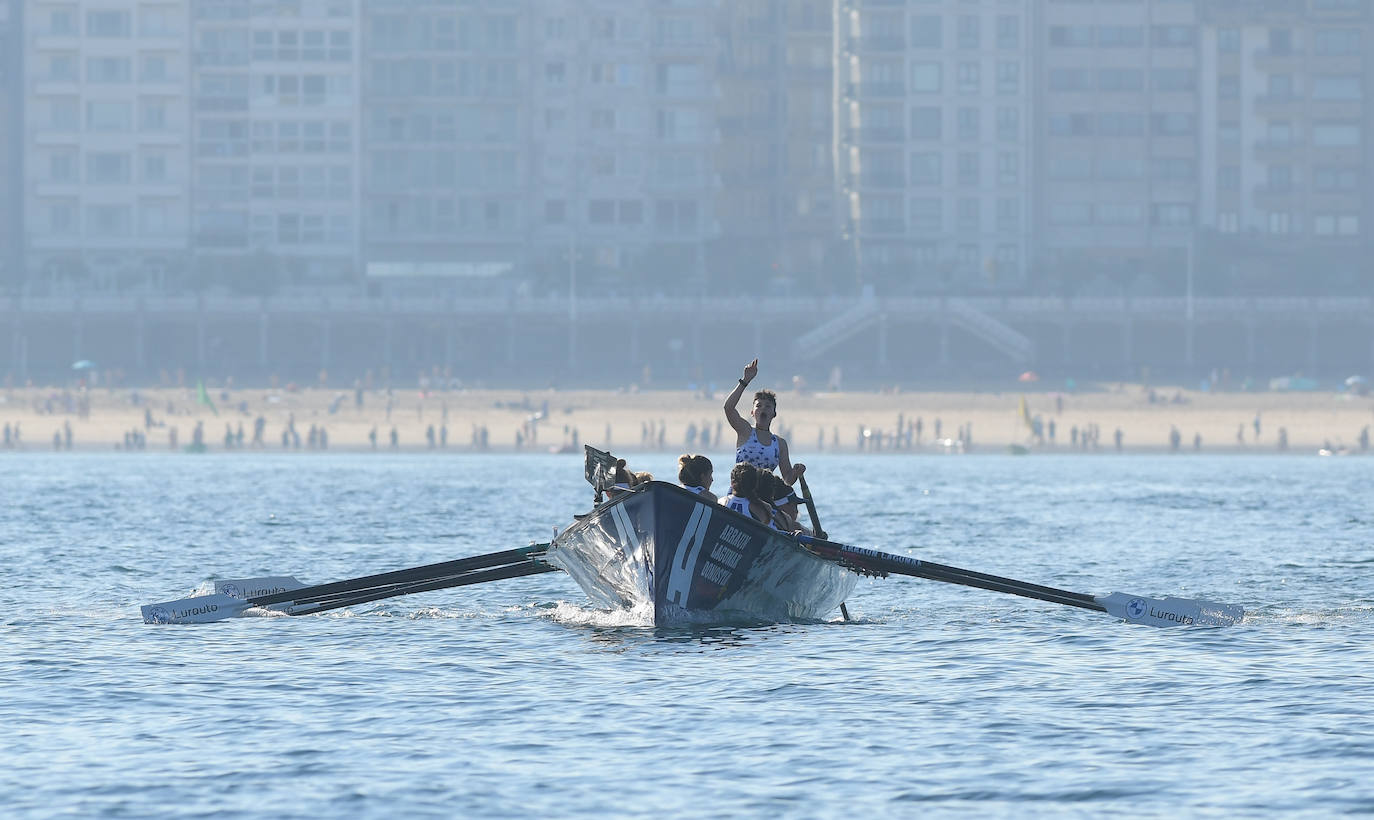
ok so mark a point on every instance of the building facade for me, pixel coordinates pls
(106, 146)
(1118, 94)
(1287, 144)
(934, 142)
(623, 117)
(11, 146)
(775, 160)
(276, 107)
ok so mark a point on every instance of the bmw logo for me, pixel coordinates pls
(159, 615)
(1136, 607)
(232, 590)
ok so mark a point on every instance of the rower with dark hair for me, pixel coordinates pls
(756, 444)
(695, 474)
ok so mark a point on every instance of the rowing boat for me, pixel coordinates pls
(660, 548)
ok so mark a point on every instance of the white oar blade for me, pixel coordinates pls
(200, 610)
(253, 587)
(1138, 609)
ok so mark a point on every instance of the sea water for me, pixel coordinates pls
(517, 698)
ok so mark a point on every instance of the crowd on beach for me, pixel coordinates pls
(181, 416)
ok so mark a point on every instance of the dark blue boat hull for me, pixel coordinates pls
(664, 549)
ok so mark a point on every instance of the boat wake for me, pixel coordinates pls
(574, 615)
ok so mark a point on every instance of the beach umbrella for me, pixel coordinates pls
(84, 364)
(1028, 376)
(1354, 380)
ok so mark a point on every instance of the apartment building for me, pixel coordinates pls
(443, 130)
(105, 143)
(775, 159)
(622, 143)
(275, 93)
(934, 141)
(11, 142)
(1117, 182)
(1287, 143)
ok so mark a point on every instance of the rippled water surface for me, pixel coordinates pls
(516, 698)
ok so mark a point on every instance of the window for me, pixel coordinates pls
(1008, 215)
(925, 77)
(1336, 134)
(1328, 178)
(926, 30)
(925, 123)
(925, 168)
(1008, 77)
(1071, 213)
(107, 70)
(968, 31)
(1173, 169)
(968, 168)
(926, 216)
(968, 123)
(1008, 32)
(1228, 177)
(1071, 36)
(1280, 222)
(1337, 87)
(62, 167)
(1228, 40)
(631, 212)
(1070, 79)
(1228, 86)
(1008, 124)
(1173, 124)
(1280, 87)
(1121, 124)
(1227, 222)
(1172, 36)
(1008, 168)
(1171, 215)
(968, 77)
(107, 23)
(968, 215)
(1280, 178)
(1337, 41)
(1121, 80)
(1120, 36)
(1174, 79)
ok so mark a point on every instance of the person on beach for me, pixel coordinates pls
(756, 444)
(695, 474)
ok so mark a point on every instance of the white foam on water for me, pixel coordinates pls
(574, 615)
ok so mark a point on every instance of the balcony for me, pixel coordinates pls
(868, 90)
(878, 42)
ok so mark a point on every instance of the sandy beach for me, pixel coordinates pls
(624, 421)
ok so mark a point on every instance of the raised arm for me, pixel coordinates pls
(741, 425)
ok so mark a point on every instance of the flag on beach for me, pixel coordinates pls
(202, 397)
(1025, 414)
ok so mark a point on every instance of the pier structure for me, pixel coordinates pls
(615, 339)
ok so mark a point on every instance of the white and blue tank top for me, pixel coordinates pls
(752, 452)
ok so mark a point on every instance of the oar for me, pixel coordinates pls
(216, 607)
(816, 527)
(1136, 609)
(531, 567)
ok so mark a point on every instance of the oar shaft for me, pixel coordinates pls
(903, 565)
(529, 567)
(412, 574)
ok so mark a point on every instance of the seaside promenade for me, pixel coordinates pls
(163, 419)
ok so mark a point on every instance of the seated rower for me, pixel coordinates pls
(695, 473)
(744, 498)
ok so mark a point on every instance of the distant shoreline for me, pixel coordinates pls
(619, 420)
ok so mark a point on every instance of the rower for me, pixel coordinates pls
(756, 444)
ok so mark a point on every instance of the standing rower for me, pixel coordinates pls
(756, 444)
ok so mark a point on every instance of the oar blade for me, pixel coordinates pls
(1137, 609)
(202, 609)
(253, 587)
